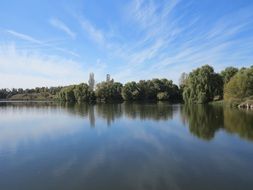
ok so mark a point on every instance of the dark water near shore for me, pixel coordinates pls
(46, 146)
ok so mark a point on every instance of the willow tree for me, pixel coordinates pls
(203, 85)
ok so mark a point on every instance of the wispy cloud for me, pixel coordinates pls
(23, 36)
(30, 39)
(94, 33)
(166, 45)
(158, 28)
(148, 38)
(62, 26)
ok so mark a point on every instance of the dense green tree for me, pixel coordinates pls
(3, 93)
(217, 87)
(38, 93)
(170, 89)
(69, 94)
(147, 90)
(203, 85)
(228, 73)
(131, 91)
(83, 93)
(156, 89)
(109, 91)
(162, 96)
(76, 93)
(240, 86)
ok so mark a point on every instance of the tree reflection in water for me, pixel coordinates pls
(239, 122)
(203, 120)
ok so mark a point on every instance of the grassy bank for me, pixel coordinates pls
(242, 103)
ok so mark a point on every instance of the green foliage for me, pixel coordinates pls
(228, 73)
(162, 96)
(109, 91)
(67, 94)
(76, 93)
(42, 93)
(83, 92)
(202, 85)
(4, 93)
(131, 91)
(240, 86)
(156, 89)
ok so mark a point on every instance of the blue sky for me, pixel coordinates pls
(51, 43)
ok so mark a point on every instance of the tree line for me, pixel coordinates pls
(110, 91)
(202, 85)
(44, 92)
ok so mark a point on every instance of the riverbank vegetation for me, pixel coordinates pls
(42, 93)
(110, 91)
(202, 85)
(240, 88)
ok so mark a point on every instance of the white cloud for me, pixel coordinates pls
(62, 26)
(23, 68)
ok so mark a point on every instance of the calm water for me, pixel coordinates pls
(124, 147)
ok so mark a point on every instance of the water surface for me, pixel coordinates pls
(124, 147)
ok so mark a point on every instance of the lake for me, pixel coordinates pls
(51, 146)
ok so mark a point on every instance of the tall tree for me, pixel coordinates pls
(91, 81)
(108, 78)
(183, 80)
